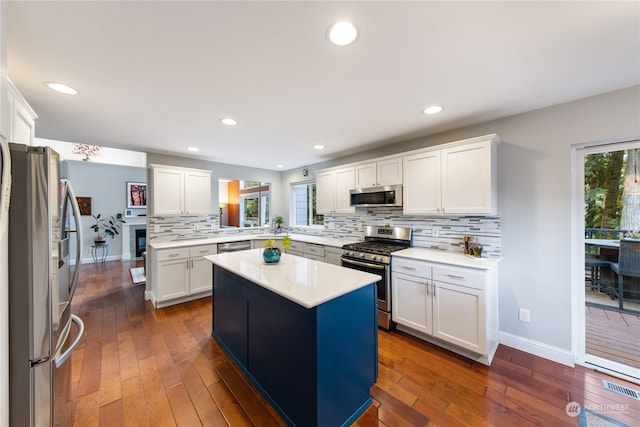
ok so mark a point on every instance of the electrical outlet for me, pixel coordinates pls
(434, 232)
(524, 315)
(156, 228)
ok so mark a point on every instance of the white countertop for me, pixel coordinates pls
(225, 238)
(457, 259)
(306, 282)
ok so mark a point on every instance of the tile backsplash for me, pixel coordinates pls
(435, 232)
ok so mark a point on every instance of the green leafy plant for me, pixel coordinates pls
(107, 227)
(271, 243)
(279, 220)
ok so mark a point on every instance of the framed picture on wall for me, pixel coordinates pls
(84, 203)
(136, 195)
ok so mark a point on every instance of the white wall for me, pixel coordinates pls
(107, 155)
(534, 199)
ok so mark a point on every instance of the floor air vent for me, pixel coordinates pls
(621, 389)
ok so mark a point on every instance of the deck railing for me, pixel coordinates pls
(604, 233)
(601, 233)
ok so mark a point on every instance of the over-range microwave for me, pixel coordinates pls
(388, 195)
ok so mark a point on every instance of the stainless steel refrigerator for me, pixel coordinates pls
(42, 214)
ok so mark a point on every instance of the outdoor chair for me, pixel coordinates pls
(628, 265)
(595, 265)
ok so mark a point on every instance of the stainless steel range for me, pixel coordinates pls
(373, 255)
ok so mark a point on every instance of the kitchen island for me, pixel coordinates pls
(304, 332)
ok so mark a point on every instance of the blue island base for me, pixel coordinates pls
(315, 366)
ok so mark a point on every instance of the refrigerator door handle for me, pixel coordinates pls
(64, 356)
(39, 361)
(76, 215)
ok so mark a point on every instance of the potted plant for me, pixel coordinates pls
(106, 227)
(272, 253)
(279, 220)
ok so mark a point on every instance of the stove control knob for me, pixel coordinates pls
(361, 255)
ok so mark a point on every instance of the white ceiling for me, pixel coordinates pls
(158, 76)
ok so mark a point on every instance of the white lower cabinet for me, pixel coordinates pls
(332, 255)
(411, 302)
(307, 250)
(180, 274)
(457, 306)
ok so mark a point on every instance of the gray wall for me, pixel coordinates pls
(106, 185)
(535, 202)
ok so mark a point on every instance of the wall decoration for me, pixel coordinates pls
(86, 151)
(84, 203)
(136, 195)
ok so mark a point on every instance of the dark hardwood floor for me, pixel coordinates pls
(137, 366)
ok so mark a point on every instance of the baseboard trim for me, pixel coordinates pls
(555, 354)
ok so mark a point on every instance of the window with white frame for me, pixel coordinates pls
(254, 203)
(303, 205)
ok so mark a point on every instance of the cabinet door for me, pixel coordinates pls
(197, 193)
(173, 279)
(421, 183)
(466, 179)
(459, 316)
(411, 302)
(389, 172)
(168, 187)
(366, 175)
(21, 117)
(325, 192)
(332, 256)
(345, 181)
(200, 276)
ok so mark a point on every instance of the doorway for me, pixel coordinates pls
(606, 320)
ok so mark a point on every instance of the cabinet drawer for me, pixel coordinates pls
(169, 254)
(315, 257)
(310, 249)
(203, 250)
(296, 247)
(459, 276)
(412, 267)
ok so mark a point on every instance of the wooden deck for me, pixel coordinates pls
(613, 335)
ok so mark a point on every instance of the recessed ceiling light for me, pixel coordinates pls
(194, 149)
(434, 109)
(228, 121)
(319, 147)
(342, 33)
(279, 166)
(62, 88)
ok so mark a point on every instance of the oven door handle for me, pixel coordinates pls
(363, 264)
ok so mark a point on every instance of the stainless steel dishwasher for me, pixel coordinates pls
(234, 246)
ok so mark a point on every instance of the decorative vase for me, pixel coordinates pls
(271, 255)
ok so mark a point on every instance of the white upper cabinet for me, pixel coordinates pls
(384, 172)
(332, 190)
(457, 179)
(422, 183)
(22, 119)
(179, 191)
(197, 192)
(468, 181)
